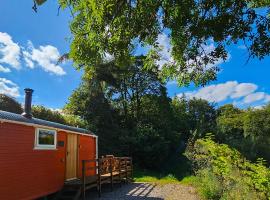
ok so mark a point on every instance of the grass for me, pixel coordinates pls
(161, 178)
(176, 171)
(154, 177)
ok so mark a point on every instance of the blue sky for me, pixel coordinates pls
(31, 42)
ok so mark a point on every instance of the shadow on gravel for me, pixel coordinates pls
(131, 191)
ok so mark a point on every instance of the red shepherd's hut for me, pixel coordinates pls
(38, 156)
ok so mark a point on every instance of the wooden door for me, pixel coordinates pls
(72, 156)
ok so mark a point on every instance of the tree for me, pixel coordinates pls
(128, 106)
(9, 104)
(202, 116)
(116, 28)
(257, 129)
(246, 130)
(44, 113)
(194, 116)
(230, 123)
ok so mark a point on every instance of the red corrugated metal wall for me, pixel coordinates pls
(87, 151)
(26, 173)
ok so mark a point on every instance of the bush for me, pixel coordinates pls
(44, 113)
(9, 104)
(208, 184)
(224, 173)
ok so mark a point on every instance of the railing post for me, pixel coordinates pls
(83, 179)
(131, 168)
(119, 170)
(111, 172)
(126, 169)
(99, 177)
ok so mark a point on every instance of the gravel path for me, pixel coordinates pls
(146, 191)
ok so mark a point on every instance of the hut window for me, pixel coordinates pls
(45, 139)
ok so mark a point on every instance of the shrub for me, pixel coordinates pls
(9, 104)
(219, 165)
(44, 113)
(208, 184)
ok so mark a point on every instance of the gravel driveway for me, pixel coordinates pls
(146, 191)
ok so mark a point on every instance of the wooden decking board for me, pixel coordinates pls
(107, 169)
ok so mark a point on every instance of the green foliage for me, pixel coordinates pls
(208, 184)
(246, 130)
(154, 177)
(74, 120)
(260, 3)
(44, 113)
(113, 27)
(9, 104)
(224, 173)
(195, 115)
(229, 123)
(127, 106)
(175, 170)
(40, 2)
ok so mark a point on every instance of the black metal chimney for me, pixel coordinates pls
(28, 102)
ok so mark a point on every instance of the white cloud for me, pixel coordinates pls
(171, 83)
(9, 88)
(243, 89)
(243, 47)
(254, 97)
(4, 69)
(241, 93)
(258, 107)
(166, 50)
(267, 98)
(108, 57)
(45, 56)
(9, 51)
(57, 110)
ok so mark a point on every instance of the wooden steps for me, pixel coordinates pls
(95, 173)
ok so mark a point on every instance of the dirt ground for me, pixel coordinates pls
(146, 191)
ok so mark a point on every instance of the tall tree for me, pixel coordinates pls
(194, 116)
(128, 106)
(115, 28)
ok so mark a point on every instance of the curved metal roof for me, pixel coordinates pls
(19, 118)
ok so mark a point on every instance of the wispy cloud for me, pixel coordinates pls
(257, 96)
(243, 47)
(12, 55)
(165, 53)
(9, 53)
(240, 93)
(4, 69)
(44, 56)
(9, 88)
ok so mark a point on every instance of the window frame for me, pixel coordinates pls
(45, 146)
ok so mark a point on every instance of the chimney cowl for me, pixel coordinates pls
(28, 103)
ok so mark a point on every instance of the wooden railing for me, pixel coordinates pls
(107, 169)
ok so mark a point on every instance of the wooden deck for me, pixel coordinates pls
(96, 172)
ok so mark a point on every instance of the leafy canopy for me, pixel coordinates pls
(115, 28)
(9, 104)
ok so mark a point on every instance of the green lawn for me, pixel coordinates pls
(176, 171)
(159, 178)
